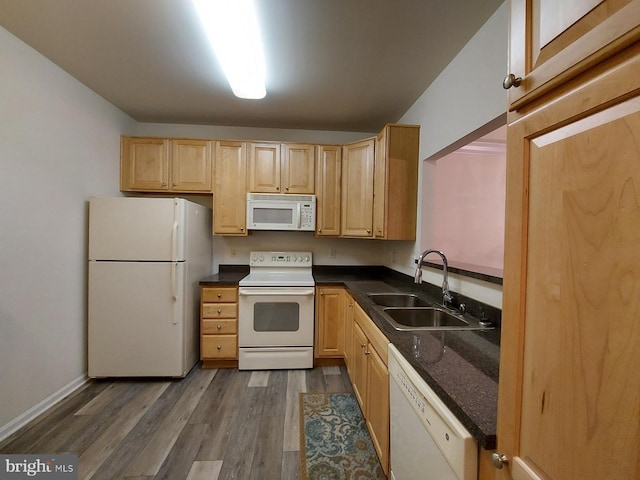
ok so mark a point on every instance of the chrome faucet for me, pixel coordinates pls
(446, 295)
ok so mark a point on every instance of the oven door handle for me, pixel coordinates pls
(283, 292)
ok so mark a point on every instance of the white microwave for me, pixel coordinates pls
(275, 211)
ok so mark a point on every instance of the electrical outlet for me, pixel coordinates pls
(233, 252)
(393, 256)
(332, 253)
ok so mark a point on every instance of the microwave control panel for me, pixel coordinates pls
(307, 217)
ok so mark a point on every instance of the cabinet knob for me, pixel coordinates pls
(362, 345)
(219, 327)
(286, 188)
(511, 81)
(367, 352)
(174, 184)
(499, 460)
(219, 295)
(368, 231)
(164, 184)
(219, 347)
(219, 312)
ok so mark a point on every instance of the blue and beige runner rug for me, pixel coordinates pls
(335, 443)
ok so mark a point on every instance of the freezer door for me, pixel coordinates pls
(136, 319)
(138, 229)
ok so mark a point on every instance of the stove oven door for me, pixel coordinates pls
(275, 316)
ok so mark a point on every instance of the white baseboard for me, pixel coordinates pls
(19, 422)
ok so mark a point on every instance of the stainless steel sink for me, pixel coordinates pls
(426, 318)
(397, 300)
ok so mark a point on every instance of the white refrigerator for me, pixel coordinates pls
(146, 258)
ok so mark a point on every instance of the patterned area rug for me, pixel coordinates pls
(335, 443)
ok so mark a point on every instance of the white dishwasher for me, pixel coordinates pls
(427, 441)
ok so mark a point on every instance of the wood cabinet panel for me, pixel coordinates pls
(328, 189)
(144, 164)
(191, 166)
(220, 310)
(264, 167)
(330, 322)
(395, 189)
(552, 42)
(569, 365)
(357, 189)
(219, 294)
(219, 346)
(378, 406)
(359, 371)
(230, 189)
(219, 327)
(298, 168)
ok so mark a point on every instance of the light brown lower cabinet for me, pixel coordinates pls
(331, 304)
(370, 378)
(218, 326)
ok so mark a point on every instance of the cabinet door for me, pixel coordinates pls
(330, 310)
(552, 42)
(395, 189)
(191, 165)
(348, 333)
(230, 190)
(264, 167)
(357, 189)
(329, 177)
(144, 164)
(378, 406)
(298, 168)
(359, 371)
(570, 362)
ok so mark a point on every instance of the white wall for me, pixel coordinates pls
(466, 97)
(59, 143)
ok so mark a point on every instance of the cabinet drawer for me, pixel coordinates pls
(219, 295)
(219, 327)
(219, 346)
(220, 310)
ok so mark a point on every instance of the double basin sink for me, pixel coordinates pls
(406, 311)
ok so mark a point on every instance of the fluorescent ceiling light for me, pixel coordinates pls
(232, 29)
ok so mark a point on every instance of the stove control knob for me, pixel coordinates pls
(261, 257)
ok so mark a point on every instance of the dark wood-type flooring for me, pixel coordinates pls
(213, 424)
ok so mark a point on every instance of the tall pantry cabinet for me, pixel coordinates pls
(570, 363)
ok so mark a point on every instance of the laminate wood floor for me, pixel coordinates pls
(213, 424)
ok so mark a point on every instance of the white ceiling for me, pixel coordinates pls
(350, 65)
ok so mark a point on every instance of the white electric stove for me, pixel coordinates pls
(276, 312)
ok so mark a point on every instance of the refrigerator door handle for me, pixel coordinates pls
(174, 241)
(174, 294)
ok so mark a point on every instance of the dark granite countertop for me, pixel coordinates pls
(229, 275)
(460, 366)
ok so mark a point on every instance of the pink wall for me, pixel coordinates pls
(464, 210)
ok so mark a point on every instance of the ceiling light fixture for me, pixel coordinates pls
(232, 29)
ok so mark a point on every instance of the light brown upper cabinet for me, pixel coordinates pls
(281, 168)
(328, 188)
(165, 165)
(230, 189)
(552, 42)
(357, 189)
(395, 186)
(298, 168)
(568, 401)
